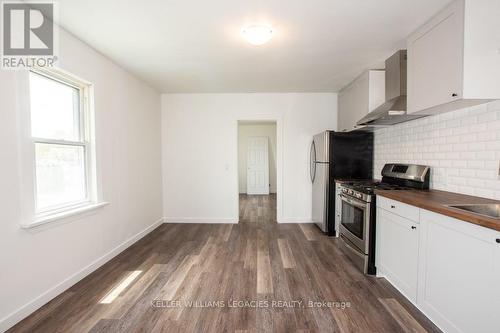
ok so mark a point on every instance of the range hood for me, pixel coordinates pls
(393, 111)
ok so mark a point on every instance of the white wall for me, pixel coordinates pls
(462, 147)
(246, 130)
(37, 264)
(200, 176)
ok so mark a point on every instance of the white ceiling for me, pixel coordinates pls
(195, 46)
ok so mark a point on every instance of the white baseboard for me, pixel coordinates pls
(27, 309)
(206, 220)
(212, 220)
(295, 220)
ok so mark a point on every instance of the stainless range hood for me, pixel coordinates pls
(393, 111)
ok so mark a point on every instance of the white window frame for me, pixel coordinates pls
(87, 141)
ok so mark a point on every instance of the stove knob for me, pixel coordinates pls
(359, 195)
(351, 192)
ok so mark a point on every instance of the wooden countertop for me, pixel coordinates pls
(436, 201)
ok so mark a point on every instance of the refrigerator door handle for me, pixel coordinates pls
(312, 166)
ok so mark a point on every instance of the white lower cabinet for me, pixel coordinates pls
(450, 269)
(459, 280)
(397, 252)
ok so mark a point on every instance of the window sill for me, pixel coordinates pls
(61, 215)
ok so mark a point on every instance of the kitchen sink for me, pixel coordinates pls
(489, 210)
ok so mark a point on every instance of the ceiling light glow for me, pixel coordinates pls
(257, 34)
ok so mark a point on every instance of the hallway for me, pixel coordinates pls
(258, 209)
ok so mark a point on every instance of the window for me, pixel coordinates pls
(61, 133)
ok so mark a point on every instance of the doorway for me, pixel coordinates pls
(257, 170)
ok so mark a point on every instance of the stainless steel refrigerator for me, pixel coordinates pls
(336, 155)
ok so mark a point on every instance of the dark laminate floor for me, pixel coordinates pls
(255, 260)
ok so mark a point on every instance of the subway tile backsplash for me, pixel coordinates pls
(462, 148)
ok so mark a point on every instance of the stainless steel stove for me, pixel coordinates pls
(357, 225)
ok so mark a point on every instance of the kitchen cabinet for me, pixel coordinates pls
(448, 268)
(361, 96)
(396, 255)
(453, 60)
(459, 265)
(399, 208)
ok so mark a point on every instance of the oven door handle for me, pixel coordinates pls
(354, 202)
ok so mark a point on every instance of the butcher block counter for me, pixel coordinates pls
(438, 201)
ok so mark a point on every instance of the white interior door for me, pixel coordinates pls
(258, 166)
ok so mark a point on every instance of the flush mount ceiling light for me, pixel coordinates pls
(257, 34)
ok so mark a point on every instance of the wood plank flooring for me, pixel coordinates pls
(254, 276)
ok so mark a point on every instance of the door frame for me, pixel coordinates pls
(279, 160)
(268, 173)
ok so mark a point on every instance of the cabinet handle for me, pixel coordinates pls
(454, 95)
(497, 240)
(392, 206)
(413, 227)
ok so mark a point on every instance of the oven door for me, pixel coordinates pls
(355, 222)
